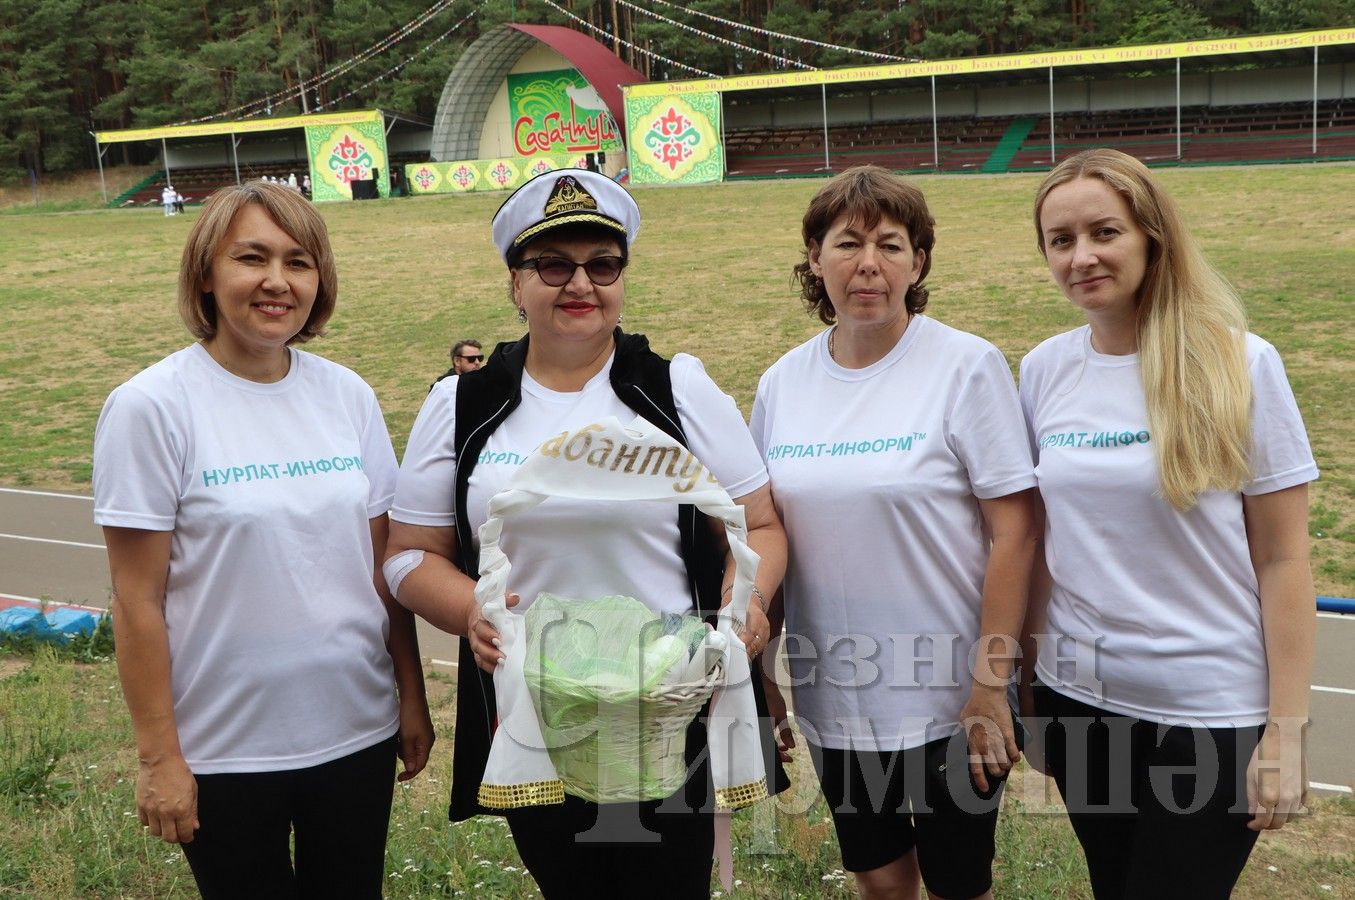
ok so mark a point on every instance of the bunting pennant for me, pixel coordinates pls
(705, 35)
(785, 37)
(625, 43)
(264, 105)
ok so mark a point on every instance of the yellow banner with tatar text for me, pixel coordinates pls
(1012, 62)
(243, 126)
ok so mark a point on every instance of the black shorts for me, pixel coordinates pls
(1160, 810)
(887, 803)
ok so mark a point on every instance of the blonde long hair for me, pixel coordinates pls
(1191, 337)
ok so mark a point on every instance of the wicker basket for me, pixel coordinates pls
(614, 727)
(613, 746)
(610, 725)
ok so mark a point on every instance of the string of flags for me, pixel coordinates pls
(705, 35)
(404, 62)
(265, 104)
(785, 37)
(649, 53)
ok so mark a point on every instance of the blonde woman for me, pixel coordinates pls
(1175, 633)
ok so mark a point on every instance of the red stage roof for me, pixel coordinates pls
(604, 71)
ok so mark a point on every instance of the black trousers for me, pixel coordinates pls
(339, 811)
(658, 849)
(1160, 810)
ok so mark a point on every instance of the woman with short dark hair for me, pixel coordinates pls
(899, 465)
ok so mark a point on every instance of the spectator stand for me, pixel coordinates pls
(1244, 99)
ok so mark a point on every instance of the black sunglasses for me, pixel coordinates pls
(479, 357)
(556, 271)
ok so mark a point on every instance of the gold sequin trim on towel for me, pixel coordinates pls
(741, 795)
(513, 796)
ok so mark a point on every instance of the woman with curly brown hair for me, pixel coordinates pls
(899, 465)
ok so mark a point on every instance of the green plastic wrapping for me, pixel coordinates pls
(596, 673)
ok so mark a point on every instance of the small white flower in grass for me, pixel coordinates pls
(1271, 869)
(129, 814)
(510, 868)
(1326, 887)
(91, 767)
(737, 883)
(717, 894)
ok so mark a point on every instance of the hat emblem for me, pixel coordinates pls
(568, 196)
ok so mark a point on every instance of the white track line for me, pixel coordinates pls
(433, 660)
(4, 490)
(40, 601)
(38, 540)
(1332, 690)
(1340, 616)
(1335, 788)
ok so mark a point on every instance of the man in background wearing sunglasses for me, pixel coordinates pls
(467, 356)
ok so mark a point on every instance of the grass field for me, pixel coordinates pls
(68, 827)
(86, 300)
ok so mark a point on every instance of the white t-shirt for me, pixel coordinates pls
(877, 473)
(277, 636)
(1161, 606)
(573, 548)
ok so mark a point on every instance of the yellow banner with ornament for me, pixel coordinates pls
(674, 140)
(467, 175)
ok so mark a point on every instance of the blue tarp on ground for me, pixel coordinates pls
(59, 625)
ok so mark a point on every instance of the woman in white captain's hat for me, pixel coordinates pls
(566, 239)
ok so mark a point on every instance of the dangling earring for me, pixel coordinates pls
(620, 318)
(522, 315)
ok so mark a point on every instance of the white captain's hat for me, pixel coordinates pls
(565, 197)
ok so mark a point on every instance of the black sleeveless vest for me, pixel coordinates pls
(484, 398)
